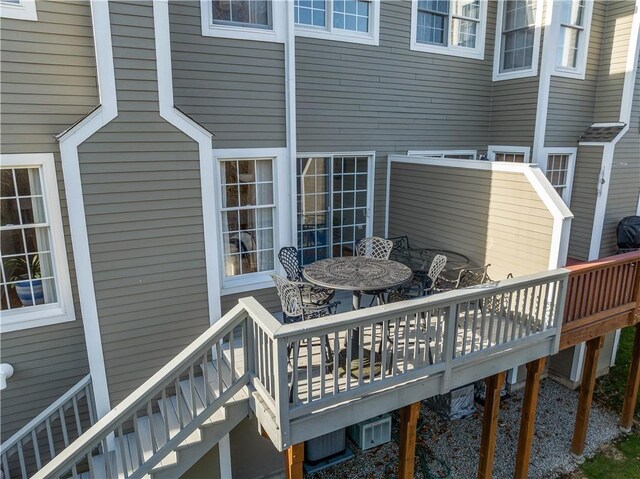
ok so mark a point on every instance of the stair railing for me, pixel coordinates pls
(217, 345)
(53, 429)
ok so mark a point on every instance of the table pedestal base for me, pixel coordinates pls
(355, 363)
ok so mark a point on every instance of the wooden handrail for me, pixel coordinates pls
(633, 256)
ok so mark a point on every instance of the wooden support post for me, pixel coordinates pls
(586, 395)
(294, 457)
(528, 417)
(490, 425)
(633, 382)
(408, 424)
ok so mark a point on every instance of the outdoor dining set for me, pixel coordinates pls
(387, 270)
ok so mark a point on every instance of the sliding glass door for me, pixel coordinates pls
(333, 205)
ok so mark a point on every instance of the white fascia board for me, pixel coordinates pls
(205, 152)
(69, 143)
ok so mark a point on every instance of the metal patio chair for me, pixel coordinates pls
(311, 294)
(422, 283)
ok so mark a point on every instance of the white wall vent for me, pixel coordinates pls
(372, 432)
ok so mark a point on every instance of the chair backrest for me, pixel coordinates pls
(473, 277)
(400, 244)
(288, 257)
(290, 296)
(437, 265)
(374, 247)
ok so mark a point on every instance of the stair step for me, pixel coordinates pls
(212, 372)
(173, 420)
(198, 387)
(144, 434)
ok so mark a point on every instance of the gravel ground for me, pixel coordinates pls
(458, 442)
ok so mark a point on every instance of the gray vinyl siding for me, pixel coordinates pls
(390, 99)
(572, 101)
(141, 184)
(47, 84)
(624, 186)
(617, 31)
(583, 200)
(267, 297)
(513, 112)
(234, 88)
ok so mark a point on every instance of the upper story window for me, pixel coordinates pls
(517, 39)
(347, 20)
(34, 273)
(450, 27)
(573, 24)
(18, 9)
(261, 20)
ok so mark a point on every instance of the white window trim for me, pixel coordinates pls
(525, 150)
(572, 152)
(329, 33)
(63, 310)
(25, 10)
(282, 216)
(497, 55)
(277, 32)
(453, 50)
(441, 153)
(579, 71)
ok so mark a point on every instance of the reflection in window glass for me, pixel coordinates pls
(247, 215)
(455, 23)
(310, 12)
(518, 31)
(571, 31)
(251, 13)
(352, 15)
(27, 265)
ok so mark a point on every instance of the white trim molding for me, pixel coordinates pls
(579, 70)
(21, 10)
(204, 139)
(454, 50)
(70, 140)
(274, 33)
(328, 32)
(507, 150)
(62, 310)
(497, 52)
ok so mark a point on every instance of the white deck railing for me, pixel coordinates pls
(299, 369)
(53, 429)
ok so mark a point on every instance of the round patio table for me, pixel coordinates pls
(357, 274)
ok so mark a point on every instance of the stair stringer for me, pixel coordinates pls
(211, 434)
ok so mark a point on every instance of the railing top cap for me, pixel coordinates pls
(633, 256)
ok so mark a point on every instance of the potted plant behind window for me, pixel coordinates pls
(17, 271)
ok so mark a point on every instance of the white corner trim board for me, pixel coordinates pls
(69, 143)
(204, 140)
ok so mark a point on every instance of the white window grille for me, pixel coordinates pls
(557, 171)
(245, 13)
(454, 27)
(574, 21)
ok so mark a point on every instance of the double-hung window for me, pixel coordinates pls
(261, 20)
(451, 27)
(18, 9)
(558, 168)
(574, 19)
(347, 20)
(254, 218)
(518, 38)
(35, 282)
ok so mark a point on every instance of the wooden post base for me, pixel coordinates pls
(528, 417)
(407, 455)
(490, 425)
(586, 396)
(294, 457)
(633, 383)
